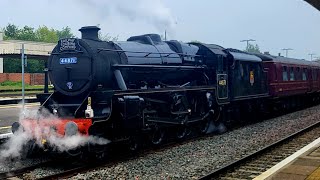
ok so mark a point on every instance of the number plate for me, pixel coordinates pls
(71, 60)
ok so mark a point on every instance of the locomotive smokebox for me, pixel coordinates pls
(90, 32)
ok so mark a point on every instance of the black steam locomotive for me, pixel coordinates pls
(146, 87)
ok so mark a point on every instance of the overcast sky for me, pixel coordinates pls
(274, 24)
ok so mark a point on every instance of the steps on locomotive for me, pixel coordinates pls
(69, 105)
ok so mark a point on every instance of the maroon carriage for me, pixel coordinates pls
(289, 77)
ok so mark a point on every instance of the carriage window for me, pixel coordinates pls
(304, 74)
(314, 74)
(291, 74)
(284, 74)
(298, 74)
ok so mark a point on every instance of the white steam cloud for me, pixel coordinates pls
(17, 145)
(152, 12)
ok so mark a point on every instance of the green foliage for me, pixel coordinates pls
(11, 65)
(11, 32)
(253, 49)
(65, 33)
(195, 41)
(27, 33)
(44, 34)
(34, 66)
(11, 83)
(107, 37)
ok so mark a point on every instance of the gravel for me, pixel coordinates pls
(195, 159)
(15, 164)
(40, 173)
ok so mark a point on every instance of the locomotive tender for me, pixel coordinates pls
(146, 87)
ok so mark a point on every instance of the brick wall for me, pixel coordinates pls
(29, 78)
(37, 79)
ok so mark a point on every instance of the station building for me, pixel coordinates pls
(33, 50)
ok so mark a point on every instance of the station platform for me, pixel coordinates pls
(302, 165)
(17, 100)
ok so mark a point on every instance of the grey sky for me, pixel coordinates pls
(275, 24)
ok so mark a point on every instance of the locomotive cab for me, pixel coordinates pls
(247, 76)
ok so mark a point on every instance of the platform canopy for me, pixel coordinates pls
(314, 3)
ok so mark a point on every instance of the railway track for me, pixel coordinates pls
(65, 170)
(260, 161)
(245, 168)
(4, 137)
(21, 171)
(115, 158)
(245, 171)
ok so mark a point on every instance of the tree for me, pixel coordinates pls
(44, 34)
(11, 32)
(65, 33)
(107, 37)
(195, 41)
(253, 49)
(27, 34)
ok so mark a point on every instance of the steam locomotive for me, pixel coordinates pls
(146, 87)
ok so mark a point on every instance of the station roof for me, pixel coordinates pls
(36, 50)
(314, 3)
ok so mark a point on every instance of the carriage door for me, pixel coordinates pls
(222, 79)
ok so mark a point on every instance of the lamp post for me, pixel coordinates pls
(311, 56)
(23, 65)
(22, 73)
(247, 40)
(287, 49)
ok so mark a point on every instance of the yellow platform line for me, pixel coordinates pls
(5, 127)
(314, 175)
(17, 106)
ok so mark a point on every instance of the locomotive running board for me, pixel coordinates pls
(126, 66)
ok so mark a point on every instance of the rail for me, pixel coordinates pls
(216, 173)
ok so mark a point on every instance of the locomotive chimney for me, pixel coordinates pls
(90, 32)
